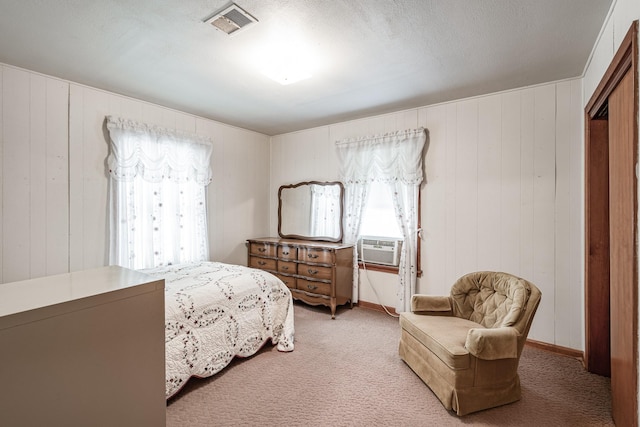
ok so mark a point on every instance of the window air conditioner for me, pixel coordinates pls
(379, 250)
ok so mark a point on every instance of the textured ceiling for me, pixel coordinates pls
(370, 56)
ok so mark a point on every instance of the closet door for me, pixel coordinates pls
(623, 271)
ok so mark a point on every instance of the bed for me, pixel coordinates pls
(215, 312)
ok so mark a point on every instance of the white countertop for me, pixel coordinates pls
(18, 300)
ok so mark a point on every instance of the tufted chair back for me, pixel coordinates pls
(491, 299)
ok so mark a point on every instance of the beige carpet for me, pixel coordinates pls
(346, 372)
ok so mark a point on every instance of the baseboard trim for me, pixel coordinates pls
(557, 349)
(376, 307)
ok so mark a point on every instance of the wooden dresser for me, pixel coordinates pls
(318, 273)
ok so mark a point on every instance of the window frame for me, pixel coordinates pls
(394, 269)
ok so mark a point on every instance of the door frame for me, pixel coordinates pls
(597, 357)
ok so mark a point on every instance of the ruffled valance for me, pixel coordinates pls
(156, 153)
(392, 157)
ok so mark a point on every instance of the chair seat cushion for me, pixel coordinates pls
(445, 336)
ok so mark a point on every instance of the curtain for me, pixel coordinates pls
(395, 159)
(405, 200)
(157, 195)
(355, 199)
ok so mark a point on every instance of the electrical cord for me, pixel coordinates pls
(366, 273)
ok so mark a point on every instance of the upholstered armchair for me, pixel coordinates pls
(466, 346)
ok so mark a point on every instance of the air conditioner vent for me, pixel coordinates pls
(378, 242)
(379, 250)
(231, 20)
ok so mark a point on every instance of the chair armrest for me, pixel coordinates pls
(493, 343)
(430, 304)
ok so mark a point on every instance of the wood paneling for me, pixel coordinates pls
(544, 199)
(57, 177)
(562, 218)
(53, 150)
(510, 182)
(571, 328)
(499, 152)
(466, 194)
(435, 239)
(2, 102)
(34, 132)
(236, 199)
(450, 207)
(88, 176)
(489, 182)
(16, 236)
(492, 167)
(527, 217)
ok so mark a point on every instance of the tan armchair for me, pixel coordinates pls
(466, 346)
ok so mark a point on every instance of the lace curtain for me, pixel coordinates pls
(157, 195)
(395, 159)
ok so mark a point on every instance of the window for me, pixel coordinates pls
(378, 214)
(379, 221)
(157, 204)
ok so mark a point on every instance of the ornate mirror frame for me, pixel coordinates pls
(284, 211)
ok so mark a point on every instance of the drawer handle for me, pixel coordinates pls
(312, 271)
(285, 267)
(262, 249)
(312, 287)
(262, 263)
(285, 253)
(313, 256)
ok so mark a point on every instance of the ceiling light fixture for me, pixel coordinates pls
(231, 20)
(286, 72)
(285, 61)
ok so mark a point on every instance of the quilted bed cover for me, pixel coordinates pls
(216, 311)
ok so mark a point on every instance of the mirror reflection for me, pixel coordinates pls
(311, 210)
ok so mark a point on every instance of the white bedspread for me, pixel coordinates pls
(216, 311)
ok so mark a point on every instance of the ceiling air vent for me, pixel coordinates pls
(231, 19)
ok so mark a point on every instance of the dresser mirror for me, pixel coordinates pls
(311, 211)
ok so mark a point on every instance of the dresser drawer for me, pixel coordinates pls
(263, 249)
(288, 280)
(313, 287)
(315, 271)
(321, 256)
(262, 263)
(287, 267)
(288, 252)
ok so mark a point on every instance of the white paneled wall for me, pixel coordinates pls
(621, 16)
(502, 192)
(53, 150)
(88, 150)
(238, 201)
(236, 197)
(33, 143)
